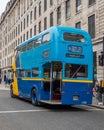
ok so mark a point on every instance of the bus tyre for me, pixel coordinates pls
(34, 98)
(11, 92)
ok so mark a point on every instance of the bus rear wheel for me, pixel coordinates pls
(34, 98)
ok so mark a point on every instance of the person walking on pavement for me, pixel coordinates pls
(98, 94)
(0, 80)
(99, 91)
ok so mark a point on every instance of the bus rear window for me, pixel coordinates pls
(73, 37)
(76, 71)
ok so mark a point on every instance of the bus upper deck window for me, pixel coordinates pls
(73, 37)
(28, 73)
(29, 47)
(20, 73)
(37, 42)
(18, 50)
(35, 72)
(23, 48)
(46, 38)
(76, 71)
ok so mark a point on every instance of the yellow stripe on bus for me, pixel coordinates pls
(63, 80)
(78, 81)
(39, 79)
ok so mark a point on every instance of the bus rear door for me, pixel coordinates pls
(52, 81)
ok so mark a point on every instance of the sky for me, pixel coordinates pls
(3, 5)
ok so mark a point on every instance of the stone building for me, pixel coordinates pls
(23, 19)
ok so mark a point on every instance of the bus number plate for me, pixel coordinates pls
(75, 98)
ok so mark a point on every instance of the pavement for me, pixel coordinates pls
(95, 102)
(4, 86)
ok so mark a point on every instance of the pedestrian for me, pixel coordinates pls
(96, 87)
(0, 80)
(100, 91)
(6, 82)
(4, 78)
(93, 89)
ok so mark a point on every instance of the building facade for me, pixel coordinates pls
(23, 19)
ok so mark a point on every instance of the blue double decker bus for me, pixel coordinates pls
(54, 67)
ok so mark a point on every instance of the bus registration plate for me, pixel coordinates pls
(75, 98)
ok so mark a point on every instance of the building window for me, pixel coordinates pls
(39, 26)
(78, 5)
(45, 5)
(45, 23)
(30, 32)
(59, 15)
(24, 37)
(18, 29)
(31, 17)
(27, 20)
(78, 25)
(91, 25)
(40, 8)
(91, 2)
(67, 9)
(21, 39)
(18, 41)
(27, 35)
(51, 19)
(27, 4)
(21, 26)
(35, 13)
(31, 2)
(51, 2)
(24, 23)
(95, 63)
(35, 30)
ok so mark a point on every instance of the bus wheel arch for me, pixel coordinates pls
(34, 98)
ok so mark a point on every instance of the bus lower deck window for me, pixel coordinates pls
(76, 71)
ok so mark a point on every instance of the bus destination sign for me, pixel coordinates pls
(75, 49)
(74, 55)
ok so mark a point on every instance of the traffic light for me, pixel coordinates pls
(101, 60)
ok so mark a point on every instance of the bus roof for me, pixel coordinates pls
(56, 29)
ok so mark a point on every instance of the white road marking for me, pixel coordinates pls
(21, 111)
(40, 110)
